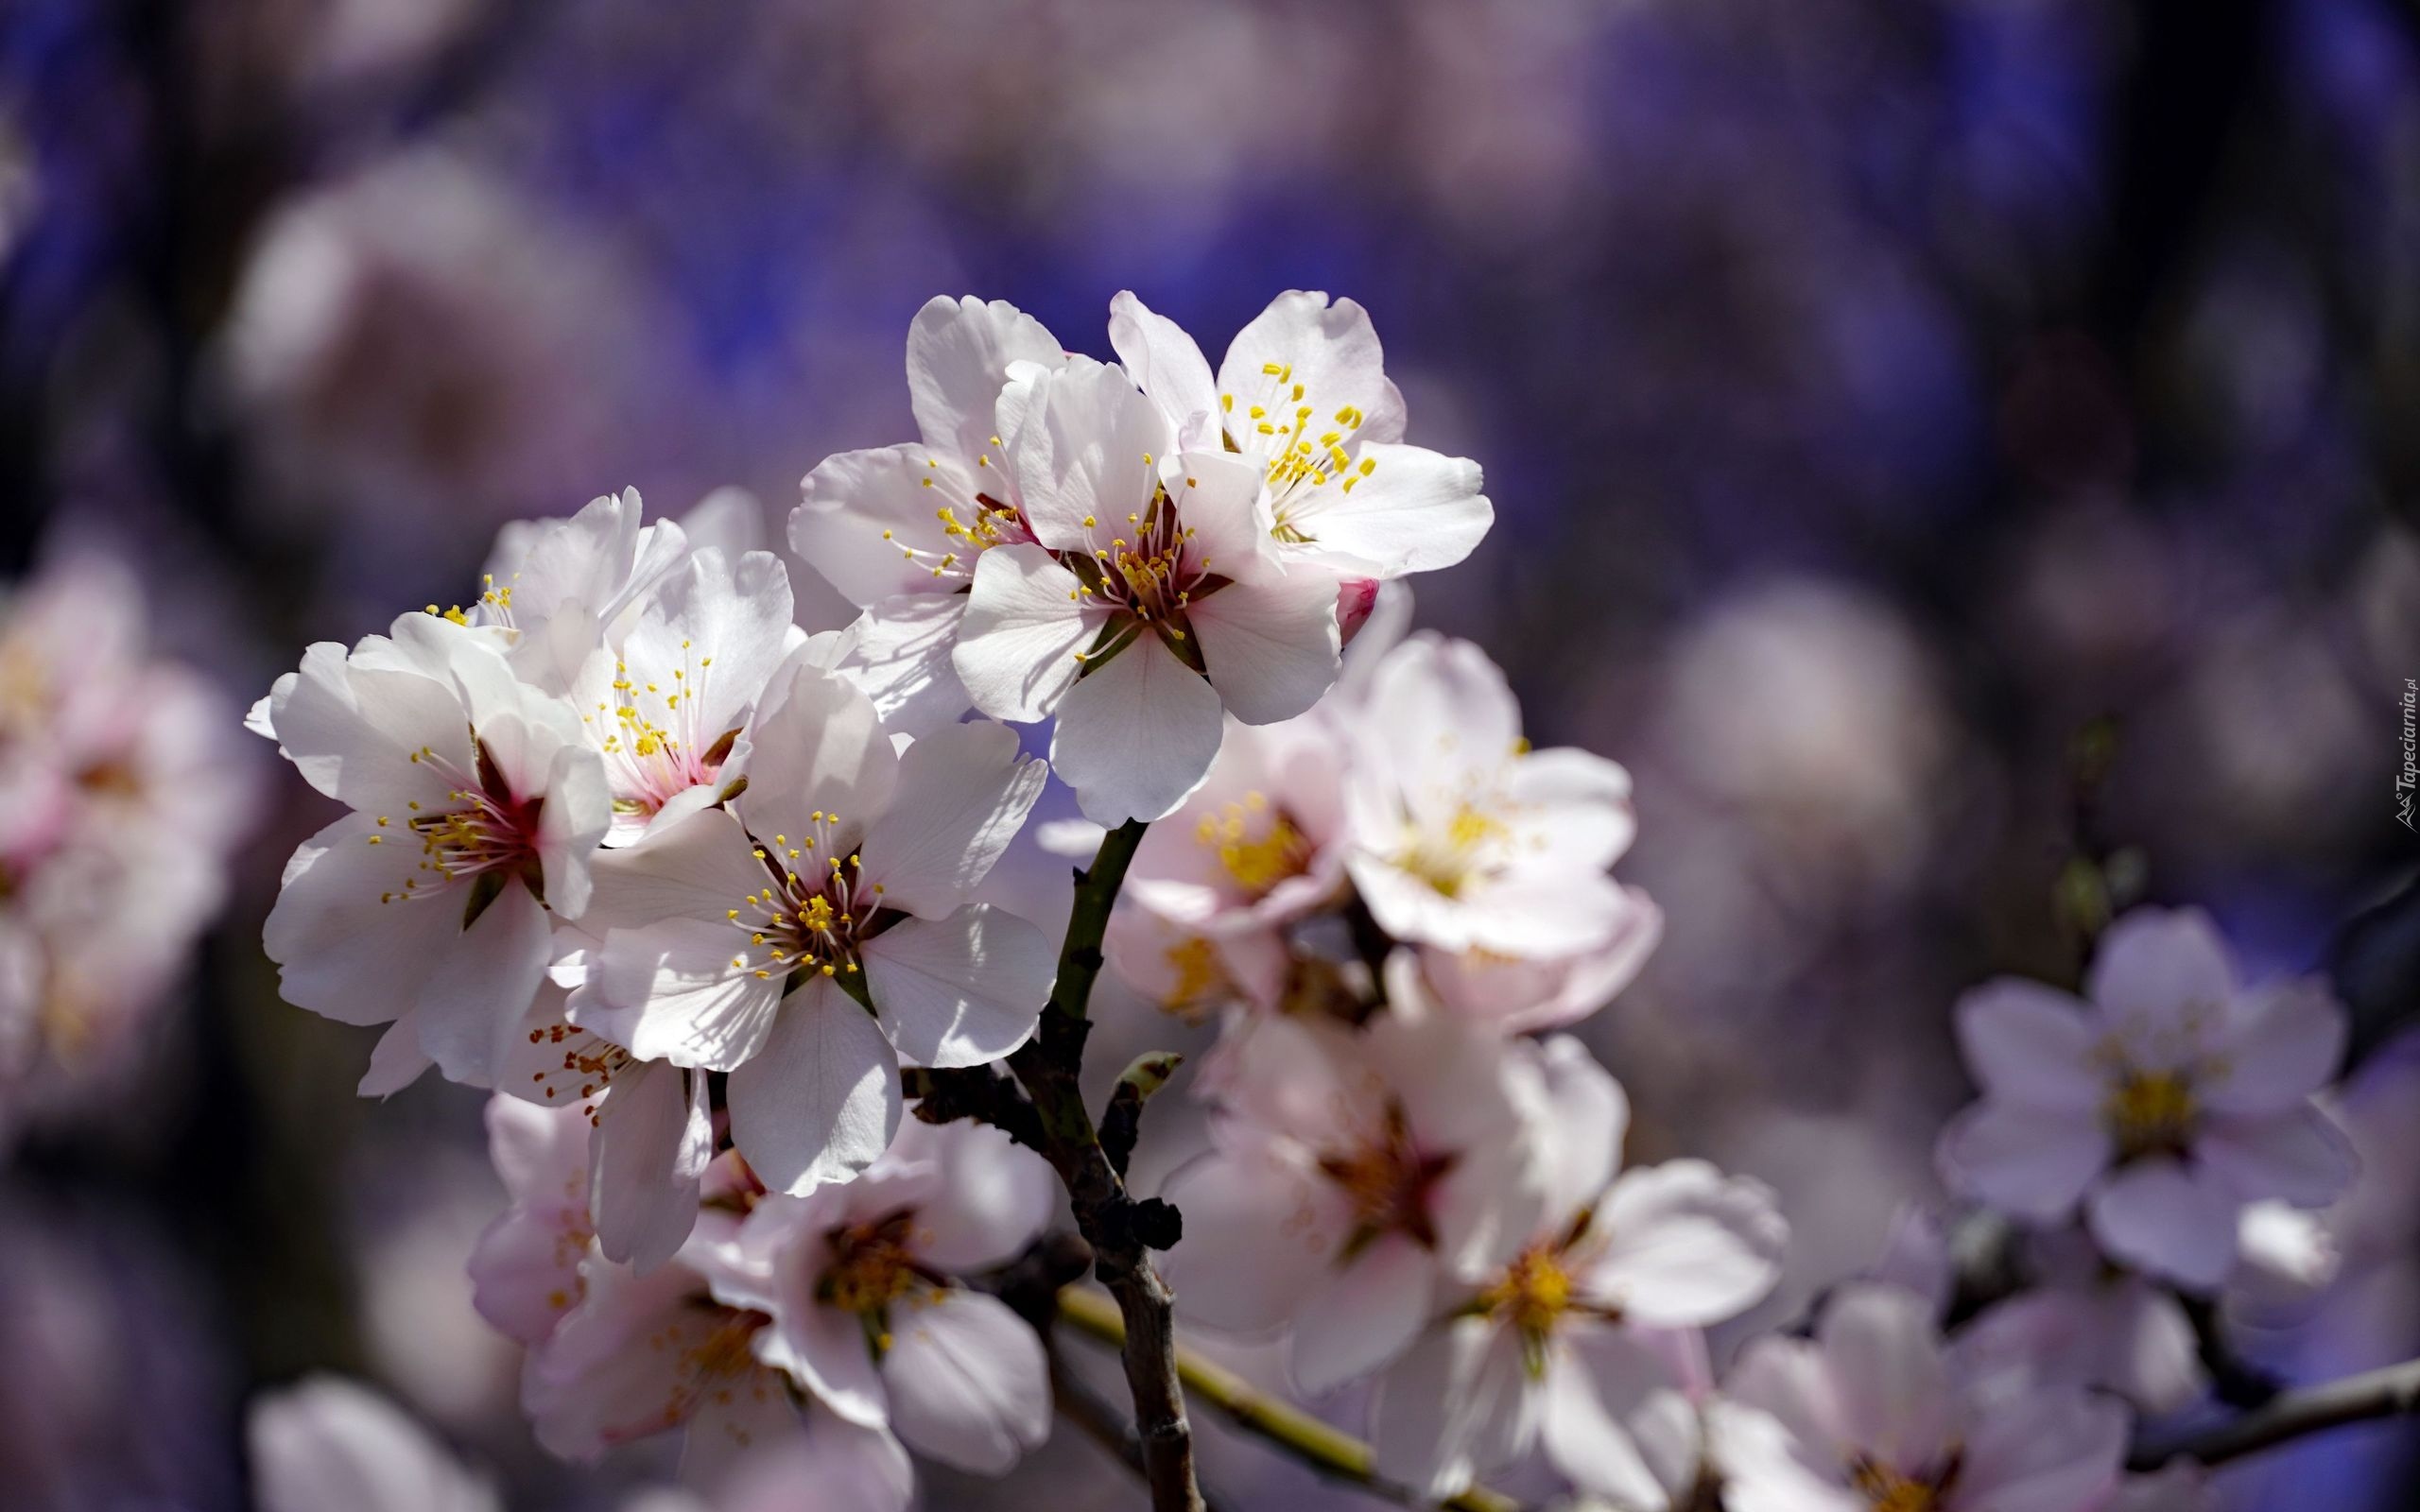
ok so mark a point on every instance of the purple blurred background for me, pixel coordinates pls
(1932, 442)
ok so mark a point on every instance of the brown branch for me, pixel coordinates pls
(1331, 1451)
(2392, 1392)
(1122, 1231)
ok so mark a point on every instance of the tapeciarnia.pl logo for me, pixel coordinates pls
(2408, 779)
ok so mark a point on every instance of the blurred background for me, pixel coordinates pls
(1961, 454)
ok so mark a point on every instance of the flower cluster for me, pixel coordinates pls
(124, 791)
(691, 891)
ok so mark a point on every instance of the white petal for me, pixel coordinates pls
(1136, 735)
(577, 812)
(352, 731)
(2170, 1220)
(2031, 1044)
(967, 1381)
(858, 1469)
(820, 1101)
(2287, 1045)
(1023, 626)
(1245, 1253)
(328, 1443)
(1088, 446)
(470, 1006)
(963, 793)
(670, 991)
(1589, 1118)
(722, 623)
(2299, 1157)
(654, 1136)
(816, 745)
(959, 991)
(904, 657)
(1361, 1315)
(1330, 351)
(1885, 1359)
(2025, 1161)
(1416, 510)
(1600, 1388)
(1271, 648)
(958, 353)
(699, 867)
(2157, 963)
(995, 1198)
(1765, 1468)
(2045, 1451)
(1167, 363)
(341, 951)
(1461, 1404)
(862, 512)
(1686, 1247)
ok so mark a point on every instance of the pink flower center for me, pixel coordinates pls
(813, 911)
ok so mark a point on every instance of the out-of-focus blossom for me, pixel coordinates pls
(1463, 836)
(1870, 1413)
(1559, 1345)
(753, 939)
(1302, 393)
(121, 799)
(1260, 841)
(863, 1284)
(1353, 1175)
(476, 807)
(2164, 1104)
(1144, 607)
(326, 1442)
(526, 1272)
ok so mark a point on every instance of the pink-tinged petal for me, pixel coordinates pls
(698, 867)
(858, 1469)
(1800, 1422)
(1767, 1468)
(1617, 1422)
(2046, 1450)
(1329, 354)
(963, 793)
(734, 1424)
(470, 1006)
(958, 353)
(2027, 1162)
(396, 1061)
(1440, 717)
(963, 990)
(2170, 1220)
(676, 991)
(2151, 1357)
(815, 745)
(1169, 366)
(860, 514)
(620, 1366)
(1686, 1247)
(2299, 1157)
(327, 1443)
(1885, 1361)
(1087, 446)
(346, 947)
(1414, 511)
(1530, 913)
(967, 1381)
(1136, 735)
(2155, 963)
(1247, 1245)
(1271, 647)
(655, 1137)
(1588, 1119)
(577, 812)
(996, 1196)
(1025, 621)
(1575, 809)
(724, 623)
(823, 1349)
(1459, 1405)
(2031, 1045)
(1362, 1315)
(2287, 1043)
(820, 1101)
(524, 1274)
(904, 657)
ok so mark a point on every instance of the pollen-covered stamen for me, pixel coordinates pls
(2150, 1112)
(875, 1265)
(708, 1354)
(814, 909)
(486, 830)
(587, 1067)
(1257, 844)
(972, 525)
(1146, 571)
(1888, 1489)
(654, 747)
(1387, 1178)
(1304, 447)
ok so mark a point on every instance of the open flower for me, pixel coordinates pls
(1303, 394)
(476, 807)
(2165, 1103)
(1258, 843)
(1558, 1344)
(1869, 1416)
(664, 709)
(814, 930)
(1463, 836)
(1144, 607)
(1351, 1173)
(863, 1283)
(899, 529)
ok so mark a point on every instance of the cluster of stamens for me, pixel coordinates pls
(487, 832)
(1256, 862)
(874, 1267)
(711, 1354)
(1388, 1177)
(991, 524)
(1531, 1296)
(2150, 1112)
(588, 1066)
(649, 759)
(1886, 1489)
(492, 607)
(1281, 430)
(1147, 575)
(811, 914)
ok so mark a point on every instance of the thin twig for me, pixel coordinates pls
(1122, 1231)
(2393, 1391)
(1329, 1450)
(1100, 1421)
